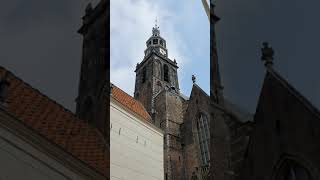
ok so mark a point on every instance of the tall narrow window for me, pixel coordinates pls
(203, 137)
(144, 74)
(166, 73)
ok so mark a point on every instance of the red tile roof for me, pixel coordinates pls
(57, 124)
(129, 102)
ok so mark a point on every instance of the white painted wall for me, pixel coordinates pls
(129, 159)
(19, 160)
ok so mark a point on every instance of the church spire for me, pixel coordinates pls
(216, 90)
(156, 23)
(156, 72)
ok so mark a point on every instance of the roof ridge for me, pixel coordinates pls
(67, 117)
(134, 100)
(196, 85)
(40, 93)
(293, 91)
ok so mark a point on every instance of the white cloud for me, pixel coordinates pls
(131, 25)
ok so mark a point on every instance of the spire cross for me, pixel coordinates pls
(156, 22)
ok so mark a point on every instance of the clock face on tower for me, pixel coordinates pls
(162, 51)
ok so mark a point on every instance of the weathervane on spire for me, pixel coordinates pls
(155, 30)
(156, 22)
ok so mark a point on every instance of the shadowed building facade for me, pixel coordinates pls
(229, 125)
(93, 95)
(40, 139)
(283, 144)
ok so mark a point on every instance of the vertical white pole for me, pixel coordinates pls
(206, 8)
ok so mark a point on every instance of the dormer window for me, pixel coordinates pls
(155, 41)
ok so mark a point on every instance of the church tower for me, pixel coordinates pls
(155, 72)
(157, 88)
(94, 66)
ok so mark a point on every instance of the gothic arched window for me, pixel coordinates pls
(166, 73)
(144, 74)
(203, 138)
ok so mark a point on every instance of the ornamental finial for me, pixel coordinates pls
(193, 79)
(267, 54)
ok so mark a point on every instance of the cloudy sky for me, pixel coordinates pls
(183, 24)
(291, 27)
(39, 43)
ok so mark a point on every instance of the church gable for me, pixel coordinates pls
(194, 129)
(198, 103)
(286, 129)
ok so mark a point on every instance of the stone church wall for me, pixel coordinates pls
(143, 90)
(198, 103)
(168, 107)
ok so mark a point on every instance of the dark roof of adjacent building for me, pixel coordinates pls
(55, 123)
(129, 102)
(238, 112)
(275, 77)
(241, 114)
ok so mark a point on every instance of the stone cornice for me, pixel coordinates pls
(166, 59)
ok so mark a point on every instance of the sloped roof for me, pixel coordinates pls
(55, 123)
(285, 84)
(241, 114)
(129, 102)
